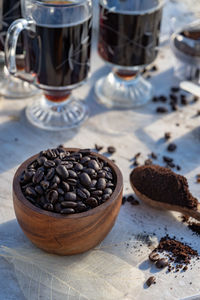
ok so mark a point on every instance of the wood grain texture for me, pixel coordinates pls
(166, 206)
(66, 234)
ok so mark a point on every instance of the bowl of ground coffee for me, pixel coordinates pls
(66, 200)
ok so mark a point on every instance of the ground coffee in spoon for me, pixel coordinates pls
(163, 185)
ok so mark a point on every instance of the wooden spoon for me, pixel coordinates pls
(194, 213)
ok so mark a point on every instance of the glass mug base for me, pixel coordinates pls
(113, 91)
(56, 116)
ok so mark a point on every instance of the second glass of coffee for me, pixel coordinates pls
(128, 41)
(57, 56)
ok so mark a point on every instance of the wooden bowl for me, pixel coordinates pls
(66, 234)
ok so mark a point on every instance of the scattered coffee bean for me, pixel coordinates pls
(175, 89)
(66, 182)
(161, 110)
(167, 159)
(148, 162)
(178, 168)
(111, 149)
(162, 263)
(167, 135)
(153, 155)
(151, 280)
(154, 68)
(171, 147)
(162, 98)
(155, 99)
(98, 147)
(124, 200)
(153, 256)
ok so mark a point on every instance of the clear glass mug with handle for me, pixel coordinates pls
(128, 42)
(57, 55)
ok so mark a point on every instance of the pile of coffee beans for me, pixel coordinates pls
(67, 182)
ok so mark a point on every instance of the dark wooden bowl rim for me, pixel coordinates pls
(115, 194)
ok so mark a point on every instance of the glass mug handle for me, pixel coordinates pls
(11, 46)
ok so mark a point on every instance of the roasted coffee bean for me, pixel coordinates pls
(78, 167)
(90, 172)
(101, 174)
(151, 280)
(101, 184)
(41, 160)
(67, 164)
(65, 186)
(98, 147)
(50, 174)
(69, 204)
(27, 185)
(72, 181)
(57, 207)
(153, 256)
(172, 147)
(54, 186)
(85, 179)
(97, 193)
(49, 164)
(86, 192)
(44, 184)
(62, 172)
(38, 176)
(167, 159)
(81, 194)
(57, 161)
(39, 190)
(60, 191)
(93, 165)
(30, 192)
(110, 185)
(162, 263)
(93, 183)
(111, 149)
(52, 196)
(72, 174)
(108, 191)
(48, 206)
(42, 201)
(70, 196)
(167, 135)
(175, 89)
(28, 175)
(67, 211)
(109, 176)
(56, 179)
(30, 199)
(50, 153)
(92, 202)
(161, 110)
(85, 159)
(81, 207)
(77, 155)
(61, 198)
(105, 197)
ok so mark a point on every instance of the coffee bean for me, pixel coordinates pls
(108, 191)
(108, 169)
(52, 196)
(151, 280)
(175, 89)
(90, 172)
(41, 160)
(162, 263)
(111, 149)
(30, 192)
(44, 184)
(153, 256)
(70, 196)
(172, 147)
(67, 164)
(81, 194)
(167, 159)
(109, 175)
(62, 172)
(72, 174)
(48, 206)
(65, 186)
(86, 192)
(101, 174)
(57, 161)
(49, 164)
(30, 199)
(39, 190)
(50, 174)
(93, 165)
(93, 183)
(61, 198)
(101, 184)
(161, 110)
(57, 207)
(67, 211)
(60, 191)
(77, 155)
(85, 179)
(78, 167)
(54, 186)
(97, 193)
(81, 207)
(38, 176)
(167, 135)
(28, 175)
(69, 204)
(110, 185)
(72, 181)
(105, 197)
(92, 202)
(56, 179)
(98, 147)
(85, 159)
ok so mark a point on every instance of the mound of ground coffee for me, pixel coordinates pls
(67, 182)
(177, 253)
(163, 185)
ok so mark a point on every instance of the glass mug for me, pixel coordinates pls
(11, 87)
(128, 42)
(57, 55)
